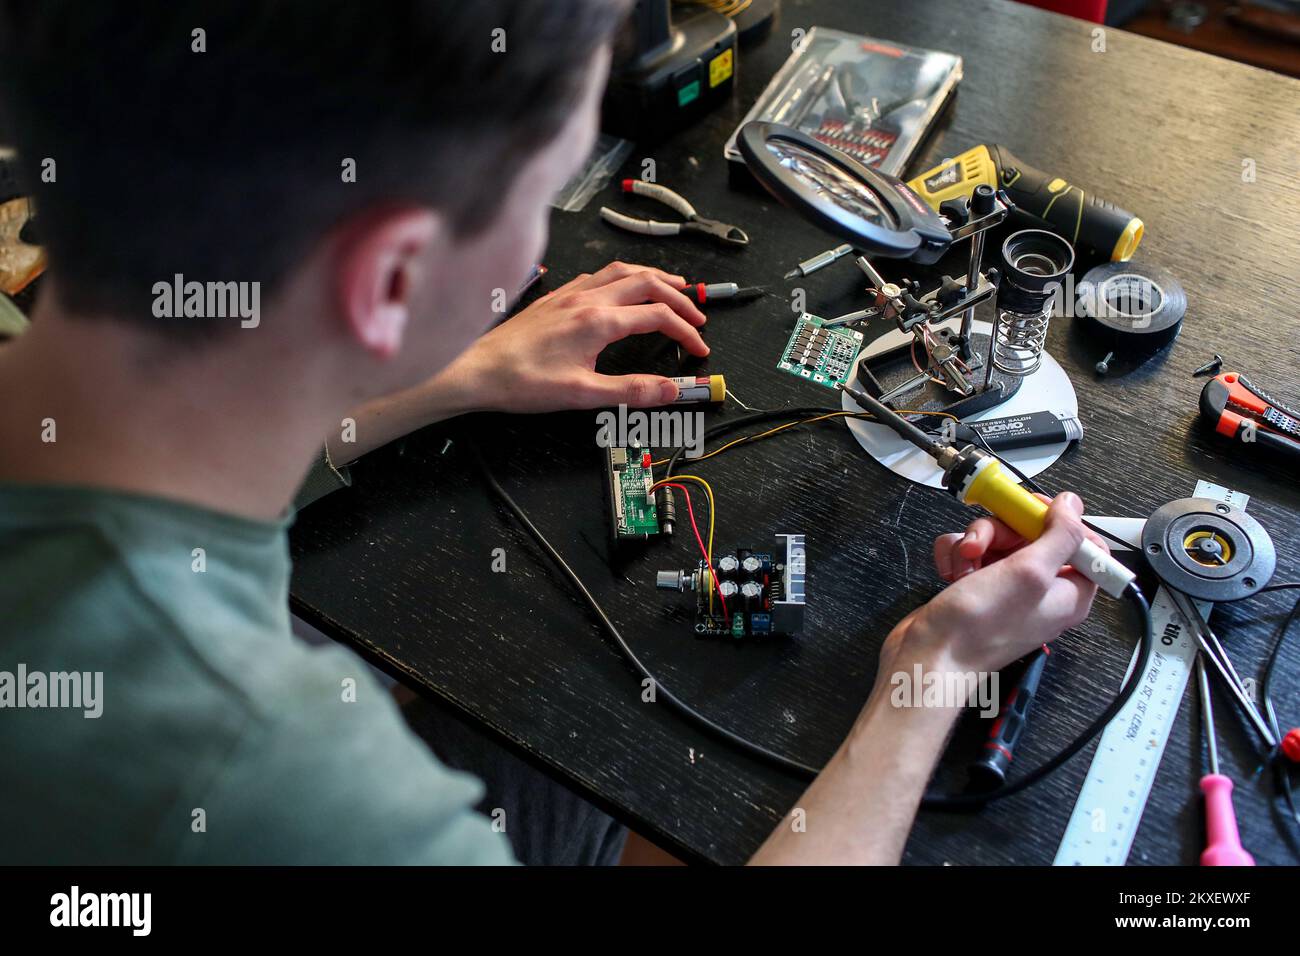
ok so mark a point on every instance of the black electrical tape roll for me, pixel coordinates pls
(1132, 307)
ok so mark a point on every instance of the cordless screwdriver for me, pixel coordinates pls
(1042, 201)
(977, 478)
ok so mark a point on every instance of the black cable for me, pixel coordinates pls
(1034, 486)
(1146, 647)
(1282, 771)
(962, 801)
(1266, 683)
(957, 801)
(735, 739)
(734, 423)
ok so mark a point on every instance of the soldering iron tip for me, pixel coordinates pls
(793, 273)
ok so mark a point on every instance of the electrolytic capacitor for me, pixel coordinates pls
(727, 564)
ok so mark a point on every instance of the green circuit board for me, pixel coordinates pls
(820, 354)
(632, 505)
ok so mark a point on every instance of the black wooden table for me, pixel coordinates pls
(401, 566)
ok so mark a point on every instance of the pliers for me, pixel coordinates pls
(1238, 409)
(723, 232)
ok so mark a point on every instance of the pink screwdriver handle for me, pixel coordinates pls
(1222, 843)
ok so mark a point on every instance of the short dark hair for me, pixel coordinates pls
(227, 164)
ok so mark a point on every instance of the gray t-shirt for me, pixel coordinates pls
(220, 737)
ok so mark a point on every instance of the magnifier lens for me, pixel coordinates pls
(875, 213)
(831, 182)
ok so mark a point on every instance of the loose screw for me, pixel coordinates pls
(1210, 368)
(1104, 365)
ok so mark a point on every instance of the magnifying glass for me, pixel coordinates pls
(877, 214)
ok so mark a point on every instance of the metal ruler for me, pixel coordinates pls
(1101, 829)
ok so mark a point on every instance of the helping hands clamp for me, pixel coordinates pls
(918, 314)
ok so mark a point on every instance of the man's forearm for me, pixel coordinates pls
(390, 417)
(860, 808)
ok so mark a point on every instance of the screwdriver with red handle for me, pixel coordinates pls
(701, 292)
(990, 770)
(1222, 841)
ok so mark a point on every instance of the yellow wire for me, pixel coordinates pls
(803, 421)
(712, 510)
(748, 438)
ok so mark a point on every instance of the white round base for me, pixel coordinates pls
(1047, 389)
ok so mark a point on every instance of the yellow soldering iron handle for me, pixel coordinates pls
(1043, 200)
(993, 489)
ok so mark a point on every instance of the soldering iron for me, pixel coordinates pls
(977, 478)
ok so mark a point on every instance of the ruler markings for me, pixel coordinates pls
(1104, 822)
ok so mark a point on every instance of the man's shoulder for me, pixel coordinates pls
(219, 736)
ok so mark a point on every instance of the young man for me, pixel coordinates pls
(148, 458)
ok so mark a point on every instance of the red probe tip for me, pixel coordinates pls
(1291, 745)
(627, 185)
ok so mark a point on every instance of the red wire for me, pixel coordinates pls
(708, 561)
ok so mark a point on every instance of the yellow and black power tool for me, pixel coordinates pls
(1046, 202)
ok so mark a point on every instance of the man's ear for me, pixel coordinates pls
(381, 262)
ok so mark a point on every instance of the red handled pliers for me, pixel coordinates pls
(1239, 409)
(723, 232)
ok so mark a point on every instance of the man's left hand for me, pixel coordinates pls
(547, 353)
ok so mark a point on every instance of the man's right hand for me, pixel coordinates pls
(1005, 596)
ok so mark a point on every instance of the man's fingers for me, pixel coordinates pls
(1061, 536)
(1093, 536)
(643, 287)
(945, 552)
(622, 270)
(957, 555)
(634, 391)
(653, 317)
(1069, 599)
(988, 538)
(986, 535)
